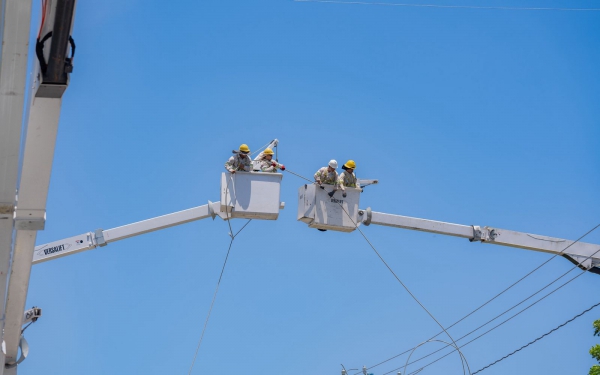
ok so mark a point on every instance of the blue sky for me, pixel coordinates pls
(481, 117)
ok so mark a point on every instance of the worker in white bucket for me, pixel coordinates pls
(266, 162)
(328, 176)
(240, 161)
(347, 177)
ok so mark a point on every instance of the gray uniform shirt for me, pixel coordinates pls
(237, 163)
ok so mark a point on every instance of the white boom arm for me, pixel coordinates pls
(585, 255)
(99, 238)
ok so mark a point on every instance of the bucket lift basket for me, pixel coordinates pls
(251, 195)
(320, 211)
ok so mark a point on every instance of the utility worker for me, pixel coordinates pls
(327, 175)
(266, 163)
(240, 161)
(347, 177)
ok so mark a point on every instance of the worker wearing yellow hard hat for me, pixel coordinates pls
(266, 162)
(240, 161)
(347, 178)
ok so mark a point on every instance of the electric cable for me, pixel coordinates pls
(211, 306)
(215, 296)
(493, 298)
(443, 6)
(503, 291)
(297, 175)
(27, 326)
(233, 236)
(486, 332)
(394, 274)
(43, 18)
(400, 281)
(261, 148)
(539, 338)
(530, 343)
(502, 323)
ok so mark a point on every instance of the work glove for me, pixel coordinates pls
(344, 195)
(322, 187)
(331, 194)
(274, 164)
(282, 167)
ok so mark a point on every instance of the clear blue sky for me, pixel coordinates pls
(482, 117)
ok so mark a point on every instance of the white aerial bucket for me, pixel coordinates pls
(251, 195)
(320, 211)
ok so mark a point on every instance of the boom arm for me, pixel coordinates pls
(100, 238)
(585, 255)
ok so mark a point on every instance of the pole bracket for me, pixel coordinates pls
(24, 346)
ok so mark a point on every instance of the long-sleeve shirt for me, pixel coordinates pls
(348, 180)
(326, 177)
(237, 163)
(267, 165)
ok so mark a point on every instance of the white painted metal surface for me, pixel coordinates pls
(88, 241)
(15, 18)
(14, 27)
(31, 211)
(160, 222)
(413, 223)
(17, 292)
(584, 254)
(254, 195)
(251, 195)
(64, 247)
(320, 211)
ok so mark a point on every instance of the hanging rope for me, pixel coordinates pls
(444, 330)
(390, 269)
(212, 303)
(404, 285)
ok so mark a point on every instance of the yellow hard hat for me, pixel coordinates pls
(244, 148)
(350, 164)
(268, 151)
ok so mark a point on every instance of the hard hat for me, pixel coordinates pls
(350, 164)
(244, 148)
(268, 151)
(333, 164)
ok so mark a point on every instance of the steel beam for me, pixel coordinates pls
(31, 211)
(15, 19)
(17, 291)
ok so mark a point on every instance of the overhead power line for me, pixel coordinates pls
(502, 292)
(539, 338)
(390, 269)
(484, 304)
(445, 6)
(498, 325)
(457, 348)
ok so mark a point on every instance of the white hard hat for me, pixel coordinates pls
(333, 164)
